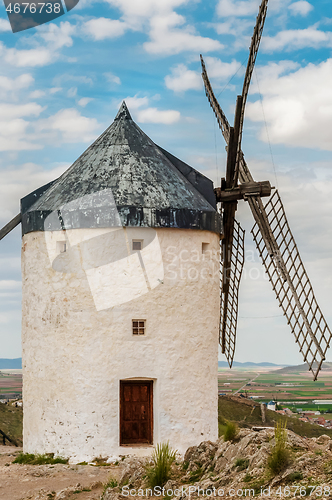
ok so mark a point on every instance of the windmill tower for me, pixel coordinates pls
(120, 258)
(122, 293)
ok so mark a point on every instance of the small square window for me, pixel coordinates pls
(61, 246)
(205, 248)
(137, 244)
(138, 326)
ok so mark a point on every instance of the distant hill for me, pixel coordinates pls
(247, 413)
(8, 364)
(224, 364)
(303, 368)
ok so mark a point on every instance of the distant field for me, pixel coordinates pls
(10, 383)
(292, 389)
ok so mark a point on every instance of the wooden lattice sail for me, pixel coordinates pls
(271, 233)
(230, 294)
(290, 282)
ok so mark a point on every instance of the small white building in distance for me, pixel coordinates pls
(120, 264)
(271, 406)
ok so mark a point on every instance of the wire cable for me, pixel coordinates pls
(266, 128)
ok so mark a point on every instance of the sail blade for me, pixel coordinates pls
(230, 293)
(244, 173)
(220, 115)
(290, 282)
(254, 46)
(10, 226)
(253, 51)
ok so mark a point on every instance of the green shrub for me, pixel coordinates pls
(196, 475)
(280, 457)
(31, 459)
(112, 483)
(230, 431)
(162, 458)
(242, 463)
(294, 476)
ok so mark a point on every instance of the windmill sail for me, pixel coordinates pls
(10, 226)
(291, 285)
(254, 46)
(230, 291)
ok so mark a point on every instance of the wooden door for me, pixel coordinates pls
(136, 412)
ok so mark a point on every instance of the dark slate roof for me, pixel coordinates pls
(123, 179)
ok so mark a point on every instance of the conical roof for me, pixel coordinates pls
(123, 179)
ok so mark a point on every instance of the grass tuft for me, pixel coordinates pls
(158, 473)
(294, 476)
(230, 432)
(196, 475)
(31, 459)
(242, 463)
(280, 456)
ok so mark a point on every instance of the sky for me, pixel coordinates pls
(62, 83)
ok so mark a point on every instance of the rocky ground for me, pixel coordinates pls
(50, 482)
(220, 469)
(239, 469)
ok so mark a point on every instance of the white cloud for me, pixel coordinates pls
(14, 84)
(103, 28)
(20, 130)
(57, 36)
(301, 8)
(84, 101)
(23, 58)
(135, 13)
(222, 70)
(15, 134)
(18, 181)
(10, 285)
(112, 78)
(68, 125)
(226, 8)
(183, 79)
(150, 114)
(168, 31)
(297, 39)
(166, 39)
(135, 102)
(9, 111)
(4, 25)
(37, 94)
(72, 92)
(46, 43)
(154, 115)
(297, 106)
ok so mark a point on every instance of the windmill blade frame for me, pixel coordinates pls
(300, 324)
(253, 51)
(230, 294)
(10, 226)
(292, 286)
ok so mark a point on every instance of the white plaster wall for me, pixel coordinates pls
(78, 342)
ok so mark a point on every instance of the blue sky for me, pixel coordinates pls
(61, 85)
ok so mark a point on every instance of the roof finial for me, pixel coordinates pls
(123, 112)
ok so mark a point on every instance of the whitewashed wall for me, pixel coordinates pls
(78, 308)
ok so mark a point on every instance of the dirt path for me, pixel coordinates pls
(45, 482)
